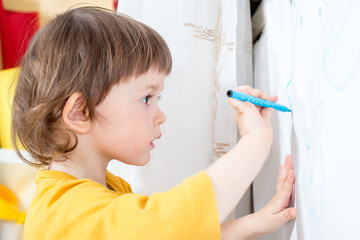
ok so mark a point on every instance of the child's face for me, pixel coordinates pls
(129, 120)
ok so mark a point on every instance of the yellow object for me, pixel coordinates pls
(7, 90)
(50, 8)
(65, 207)
(8, 206)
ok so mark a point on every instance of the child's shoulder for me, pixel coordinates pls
(117, 184)
(64, 182)
(62, 199)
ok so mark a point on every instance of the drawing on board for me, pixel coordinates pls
(316, 74)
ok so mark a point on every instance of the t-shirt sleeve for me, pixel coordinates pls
(187, 211)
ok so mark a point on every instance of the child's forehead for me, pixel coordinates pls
(154, 87)
(152, 80)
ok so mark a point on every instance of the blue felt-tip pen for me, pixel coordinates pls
(256, 101)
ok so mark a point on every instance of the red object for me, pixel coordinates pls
(115, 4)
(16, 31)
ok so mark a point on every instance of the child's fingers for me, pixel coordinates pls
(239, 106)
(266, 113)
(286, 215)
(288, 162)
(245, 89)
(252, 91)
(282, 198)
(288, 186)
(256, 93)
(262, 95)
(283, 173)
(279, 219)
(281, 178)
(278, 207)
(273, 98)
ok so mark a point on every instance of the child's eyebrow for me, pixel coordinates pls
(153, 87)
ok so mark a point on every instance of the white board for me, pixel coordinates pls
(309, 55)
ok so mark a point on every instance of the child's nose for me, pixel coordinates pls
(160, 118)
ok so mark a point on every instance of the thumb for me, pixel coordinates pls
(239, 106)
(267, 113)
(285, 216)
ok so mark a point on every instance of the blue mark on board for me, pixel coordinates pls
(333, 46)
(288, 84)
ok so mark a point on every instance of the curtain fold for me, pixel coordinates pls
(208, 44)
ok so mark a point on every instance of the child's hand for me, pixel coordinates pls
(276, 212)
(271, 217)
(251, 118)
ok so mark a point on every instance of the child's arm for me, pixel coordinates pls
(271, 217)
(233, 173)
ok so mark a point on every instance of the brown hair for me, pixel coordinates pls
(86, 50)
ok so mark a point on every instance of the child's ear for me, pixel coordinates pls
(75, 113)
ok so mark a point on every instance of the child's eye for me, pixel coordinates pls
(147, 98)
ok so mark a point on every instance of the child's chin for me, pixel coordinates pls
(142, 162)
(135, 161)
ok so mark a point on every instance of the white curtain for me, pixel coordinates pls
(208, 40)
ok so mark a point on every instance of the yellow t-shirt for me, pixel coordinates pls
(65, 207)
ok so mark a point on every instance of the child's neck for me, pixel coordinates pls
(93, 170)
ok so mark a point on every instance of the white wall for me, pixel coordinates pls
(309, 55)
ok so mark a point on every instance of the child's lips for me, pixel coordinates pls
(152, 143)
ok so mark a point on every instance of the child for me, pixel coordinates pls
(87, 93)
